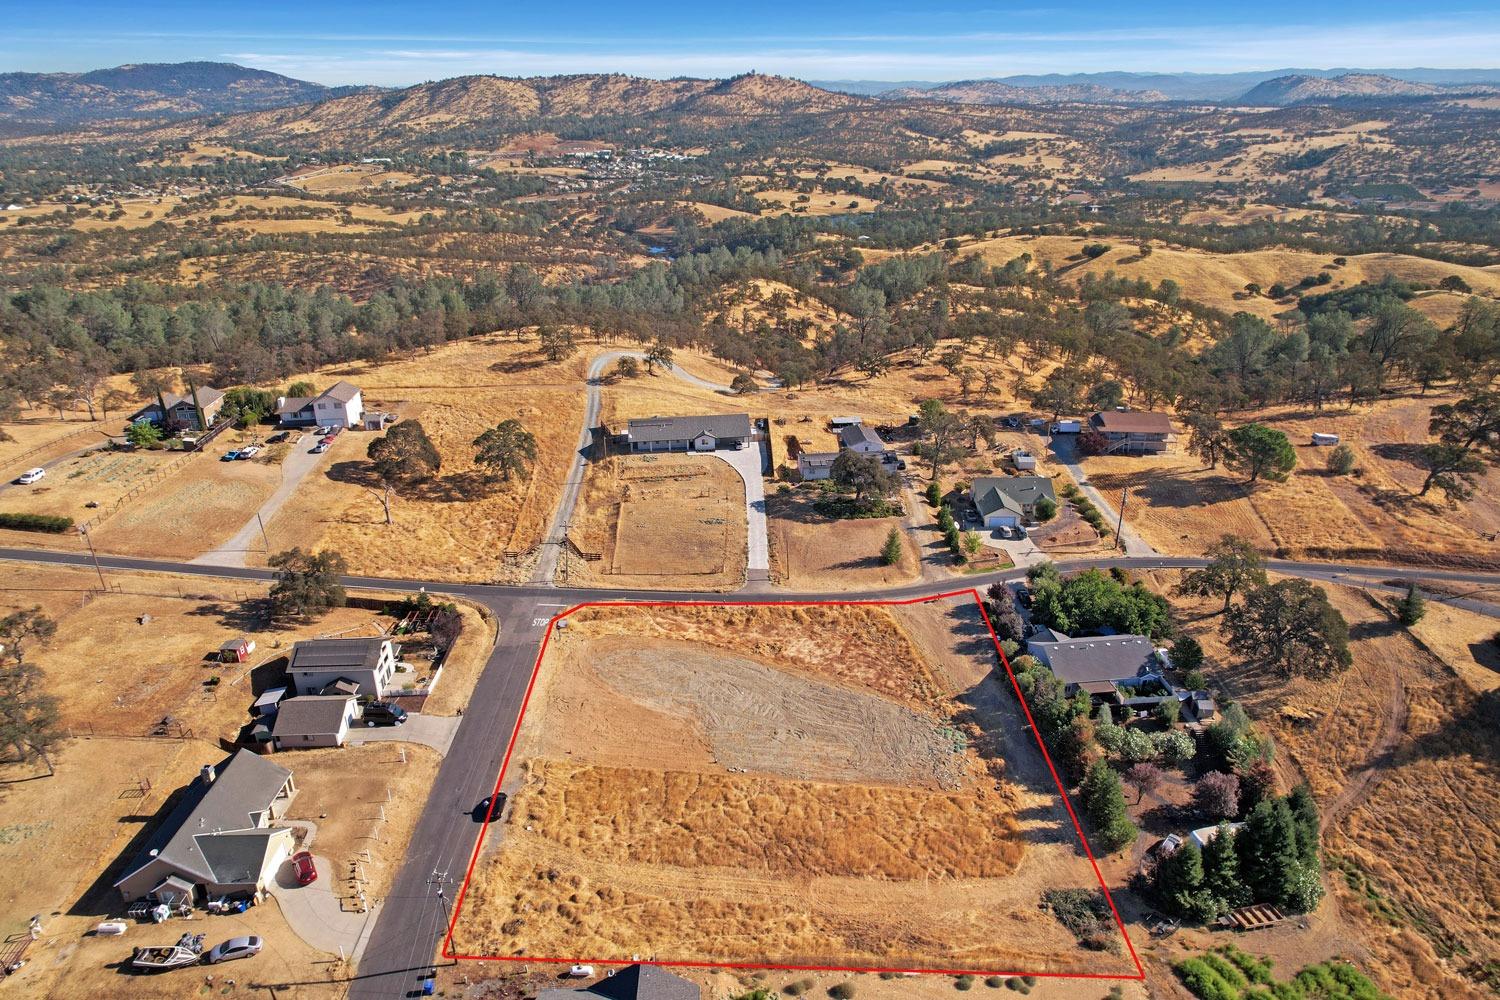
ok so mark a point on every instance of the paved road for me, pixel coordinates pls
(749, 463)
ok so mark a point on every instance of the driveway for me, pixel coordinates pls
(747, 462)
(317, 916)
(434, 731)
(299, 462)
(1065, 448)
(1022, 552)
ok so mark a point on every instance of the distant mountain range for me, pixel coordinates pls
(151, 90)
(1230, 87)
(1303, 89)
(996, 92)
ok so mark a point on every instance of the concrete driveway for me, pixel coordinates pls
(434, 731)
(299, 462)
(1065, 448)
(317, 916)
(747, 462)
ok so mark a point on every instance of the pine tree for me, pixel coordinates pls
(1308, 824)
(1104, 801)
(1411, 608)
(1180, 873)
(890, 554)
(1221, 869)
(1268, 855)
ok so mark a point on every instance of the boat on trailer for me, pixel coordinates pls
(187, 951)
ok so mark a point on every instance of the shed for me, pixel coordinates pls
(236, 650)
(841, 422)
(268, 702)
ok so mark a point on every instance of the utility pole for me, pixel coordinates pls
(263, 537)
(1120, 525)
(94, 555)
(441, 879)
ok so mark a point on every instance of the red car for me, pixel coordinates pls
(307, 872)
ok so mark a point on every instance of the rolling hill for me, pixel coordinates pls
(997, 92)
(149, 90)
(1304, 89)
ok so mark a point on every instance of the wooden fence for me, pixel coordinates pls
(156, 476)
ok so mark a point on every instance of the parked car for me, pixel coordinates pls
(482, 811)
(31, 476)
(237, 947)
(320, 447)
(307, 871)
(1023, 594)
(250, 452)
(278, 437)
(230, 455)
(383, 713)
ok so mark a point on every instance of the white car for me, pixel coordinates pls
(250, 452)
(240, 947)
(30, 476)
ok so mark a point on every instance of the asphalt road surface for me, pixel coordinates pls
(415, 916)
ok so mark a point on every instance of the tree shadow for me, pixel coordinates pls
(1399, 451)
(1384, 628)
(251, 615)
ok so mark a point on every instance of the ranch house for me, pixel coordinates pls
(711, 433)
(1138, 432)
(859, 438)
(340, 405)
(218, 840)
(193, 412)
(1007, 501)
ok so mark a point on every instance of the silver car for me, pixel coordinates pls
(239, 947)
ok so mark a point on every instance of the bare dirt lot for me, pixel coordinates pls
(661, 520)
(812, 552)
(772, 785)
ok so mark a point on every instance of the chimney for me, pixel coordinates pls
(208, 774)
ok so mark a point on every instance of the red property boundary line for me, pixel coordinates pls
(448, 952)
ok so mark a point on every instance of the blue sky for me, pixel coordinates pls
(379, 41)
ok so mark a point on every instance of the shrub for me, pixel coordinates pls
(963, 983)
(1203, 981)
(993, 982)
(1084, 912)
(50, 523)
(1046, 510)
(1013, 984)
(933, 494)
(843, 991)
(1340, 460)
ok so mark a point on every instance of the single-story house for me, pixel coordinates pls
(313, 721)
(340, 405)
(816, 464)
(356, 666)
(195, 411)
(635, 982)
(218, 840)
(1140, 432)
(858, 437)
(1006, 501)
(709, 433)
(1097, 664)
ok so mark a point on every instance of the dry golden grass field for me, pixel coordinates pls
(456, 526)
(721, 805)
(812, 552)
(1219, 279)
(1403, 756)
(660, 521)
(1180, 507)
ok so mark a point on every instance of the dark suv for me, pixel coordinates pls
(383, 713)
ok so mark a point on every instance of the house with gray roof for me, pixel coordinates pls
(858, 437)
(1099, 665)
(218, 840)
(635, 982)
(1007, 501)
(313, 721)
(340, 405)
(707, 433)
(193, 411)
(337, 666)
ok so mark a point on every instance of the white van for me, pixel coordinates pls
(30, 476)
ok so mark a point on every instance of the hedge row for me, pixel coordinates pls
(56, 524)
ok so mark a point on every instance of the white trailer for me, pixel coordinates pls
(1324, 439)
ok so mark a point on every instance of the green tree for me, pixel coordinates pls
(1106, 395)
(864, 476)
(143, 434)
(659, 355)
(1104, 802)
(1234, 567)
(301, 390)
(743, 384)
(28, 715)
(1260, 452)
(1206, 437)
(1411, 607)
(506, 450)
(307, 583)
(557, 342)
(404, 454)
(1221, 869)
(627, 367)
(1468, 440)
(1046, 509)
(972, 543)
(1291, 626)
(21, 628)
(890, 553)
(939, 427)
(1187, 655)
(1341, 460)
(1308, 823)
(1061, 392)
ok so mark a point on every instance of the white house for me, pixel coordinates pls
(816, 464)
(858, 437)
(707, 433)
(342, 666)
(340, 405)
